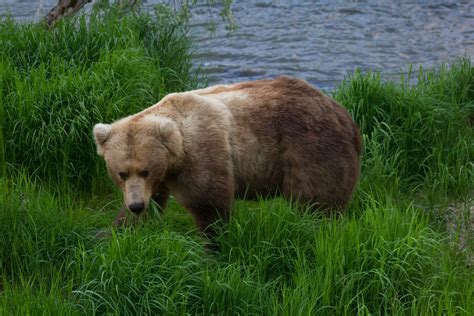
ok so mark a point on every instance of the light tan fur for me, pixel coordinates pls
(254, 138)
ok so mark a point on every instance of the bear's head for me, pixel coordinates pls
(139, 153)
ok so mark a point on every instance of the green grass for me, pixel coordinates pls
(390, 254)
(386, 259)
(417, 137)
(55, 85)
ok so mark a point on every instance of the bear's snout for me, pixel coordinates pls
(137, 208)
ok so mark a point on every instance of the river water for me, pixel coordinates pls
(320, 41)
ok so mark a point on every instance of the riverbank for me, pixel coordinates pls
(391, 253)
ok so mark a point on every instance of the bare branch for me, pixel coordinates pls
(63, 9)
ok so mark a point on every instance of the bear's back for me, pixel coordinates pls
(285, 107)
(275, 119)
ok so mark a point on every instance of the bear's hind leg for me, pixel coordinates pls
(320, 184)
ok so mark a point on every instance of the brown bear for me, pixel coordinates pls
(208, 146)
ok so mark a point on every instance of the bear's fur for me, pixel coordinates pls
(207, 146)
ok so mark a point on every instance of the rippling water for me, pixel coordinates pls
(320, 41)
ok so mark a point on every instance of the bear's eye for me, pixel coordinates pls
(123, 175)
(144, 173)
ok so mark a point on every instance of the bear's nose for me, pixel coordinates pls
(136, 208)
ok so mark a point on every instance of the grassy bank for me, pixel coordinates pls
(390, 254)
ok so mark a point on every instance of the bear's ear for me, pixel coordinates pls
(170, 135)
(101, 134)
(166, 127)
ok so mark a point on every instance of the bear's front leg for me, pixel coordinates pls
(121, 218)
(210, 205)
(161, 198)
(206, 215)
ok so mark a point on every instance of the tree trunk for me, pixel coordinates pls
(62, 9)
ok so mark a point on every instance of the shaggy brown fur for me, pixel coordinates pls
(254, 138)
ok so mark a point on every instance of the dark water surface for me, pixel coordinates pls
(320, 41)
